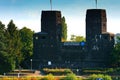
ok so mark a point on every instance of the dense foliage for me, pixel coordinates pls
(4, 62)
(66, 77)
(26, 36)
(70, 77)
(15, 46)
(64, 29)
(77, 38)
(115, 56)
(99, 77)
(48, 77)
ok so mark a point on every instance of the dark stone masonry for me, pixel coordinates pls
(49, 51)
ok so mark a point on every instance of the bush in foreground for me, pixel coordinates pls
(101, 76)
(70, 77)
(57, 71)
(48, 77)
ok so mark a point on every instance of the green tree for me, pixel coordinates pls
(64, 29)
(73, 37)
(49, 77)
(2, 39)
(4, 65)
(27, 43)
(115, 56)
(70, 77)
(13, 44)
(77, 38)
(99, 76)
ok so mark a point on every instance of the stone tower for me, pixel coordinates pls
(49, 51)
(47, 42)
(96, 24)
(99, 41)
(51, 23)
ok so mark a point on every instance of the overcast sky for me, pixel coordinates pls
(28, 13)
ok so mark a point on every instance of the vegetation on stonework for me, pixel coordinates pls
(15, 46)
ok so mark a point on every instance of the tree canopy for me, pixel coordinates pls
(26, 36)
(77, 38)
(15, 46)
(64, 29)
(4, 65)
(115, 56)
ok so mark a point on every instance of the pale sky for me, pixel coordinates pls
(28, 13)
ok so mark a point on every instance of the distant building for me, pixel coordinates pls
(95, 52)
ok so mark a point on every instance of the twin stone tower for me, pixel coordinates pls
(50, 52)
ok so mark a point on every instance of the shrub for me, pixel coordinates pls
(48, 77)
(57, 71)
(70, 77)
(95, 77)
